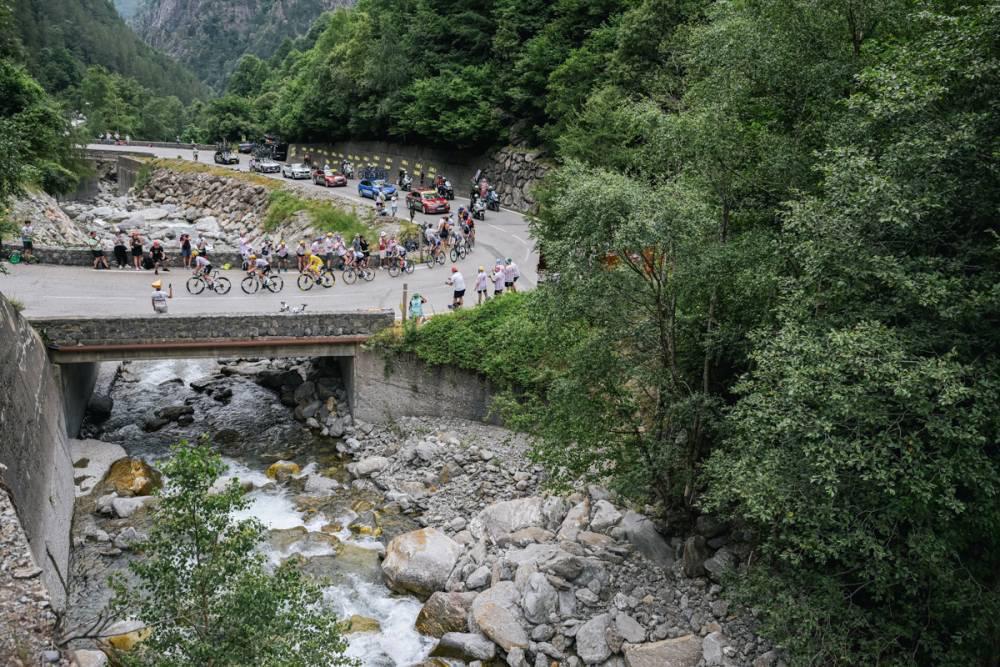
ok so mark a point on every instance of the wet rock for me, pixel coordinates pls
(92, 460)
(591, 640)
(678, 652)
(445, 612)
(133, 477)
(465, 646)
(368, 466)
(99, 407)
(281, 471)
(360, 623)
(420, 561)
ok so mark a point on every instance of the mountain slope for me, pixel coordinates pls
(61, 38)
(210, 36)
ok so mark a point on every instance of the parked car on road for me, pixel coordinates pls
(329, 178)
(264, 166)
(427, 201)
(226, 157)
(246, 146)
(369, 188)
(295, 171)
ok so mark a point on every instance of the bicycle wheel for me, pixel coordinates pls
(305, 282)
(430, 261)
(454, 254)
(195, 285)
(275, 283)
(368, 274)
(350, 276)
(328, 279)
(394, 269)
(409, 267)
(250, 284)
(440, 258)
(221, 285)
(463, 252)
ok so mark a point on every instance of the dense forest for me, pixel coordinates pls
(775, 266)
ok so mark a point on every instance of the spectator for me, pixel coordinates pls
(160, 297)
(96, 251)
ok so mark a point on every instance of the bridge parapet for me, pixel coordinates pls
(84, 339)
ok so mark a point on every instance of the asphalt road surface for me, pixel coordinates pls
(47, 290)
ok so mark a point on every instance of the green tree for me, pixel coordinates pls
(204, 591)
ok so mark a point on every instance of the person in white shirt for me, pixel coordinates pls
(511, 274)
(159, 297)
(482, 281)
(457, 283)
(498, 279)
(27, 243)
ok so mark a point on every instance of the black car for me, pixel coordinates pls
(226, 157)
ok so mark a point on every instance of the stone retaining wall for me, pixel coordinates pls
(82, 257)
(72, 331)
(34, 450)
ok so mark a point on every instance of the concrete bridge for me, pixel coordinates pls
(84, 339)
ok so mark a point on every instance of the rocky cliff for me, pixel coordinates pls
(210, 37)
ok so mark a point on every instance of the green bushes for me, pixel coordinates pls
(326, 217)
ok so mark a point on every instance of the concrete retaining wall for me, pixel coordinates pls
(403, 385)
(72, 331)
(34, 448)
(127, 172)
(82, 257)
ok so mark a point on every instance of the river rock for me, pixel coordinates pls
(479, 578)
(92, 460)
(359, 623)
(368, 466)
(605, 517)
(678, 652)
(133, 477)
(420, 561)
(465, 646)
(499, 624)
(575, 521)
(124, 635)
(643, 535)
(719, 564)
(540, 598)
(695, 554)
(445, 612)
(90, 658)
(503, 518)
(711, 649)
(282, 470)
(126, 507)
(591, 640)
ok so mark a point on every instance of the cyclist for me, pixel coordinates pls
(258, 265)
(314, 265)
(202, 267)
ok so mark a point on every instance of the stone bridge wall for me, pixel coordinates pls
(73, 331)
(34, 450)
(82, 257)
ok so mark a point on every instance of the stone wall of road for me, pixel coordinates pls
(83, 257)
(73, 331)
(34, 450)
(404, 386)
(513, 171)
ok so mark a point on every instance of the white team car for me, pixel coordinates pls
(297, 170)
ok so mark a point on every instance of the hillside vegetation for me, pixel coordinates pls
(774, 238)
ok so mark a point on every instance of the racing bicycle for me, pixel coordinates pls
(252, 283)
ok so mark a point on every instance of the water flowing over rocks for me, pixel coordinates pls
(452, 515)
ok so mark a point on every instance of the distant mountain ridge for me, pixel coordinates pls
(209, 36)
(61, 38)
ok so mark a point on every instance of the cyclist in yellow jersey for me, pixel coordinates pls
(314, 264)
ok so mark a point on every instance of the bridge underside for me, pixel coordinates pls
(216, 348)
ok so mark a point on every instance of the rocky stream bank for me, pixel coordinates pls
(434, 538)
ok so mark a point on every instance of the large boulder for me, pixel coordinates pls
(575, 521)
(126, 507)
(465, 646)
(133, 477)
(368, 466)
(282, 470)
(641, 532)
(605, 517)
(496, 614)
(540, 598)
(696, 552)
(444, 613)
(501, 519)
(92, 460)
(683, 651)
(420, 561)
(591, 640)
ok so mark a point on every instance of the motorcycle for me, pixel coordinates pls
(405, 182)
(446, 190)
(479, 209)
(493, 200)
(348, 170)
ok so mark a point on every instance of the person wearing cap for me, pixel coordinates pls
(457, 283)
(300, 254)
(160, 297)
(281, 252)
(185, 241)
(94, 243)
(121, 248)
(499, 279)
(158, 256)
(482, 281)
(329, 246)
(258, 265)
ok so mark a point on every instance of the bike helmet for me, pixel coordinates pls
(194, 253)
(253, 256)
(509, 260)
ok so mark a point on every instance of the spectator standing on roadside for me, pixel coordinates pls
(281, 252)
(394, 204)
(202, 246)
(300, 255)
(417, 302)
(457, 282)
(482, 281)
(186, 250)
(96, 251)
(121, 249)
(510, 274)
(160, 297)
(27, 236)
(159, 257)
(498, 279)
(136, 251)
